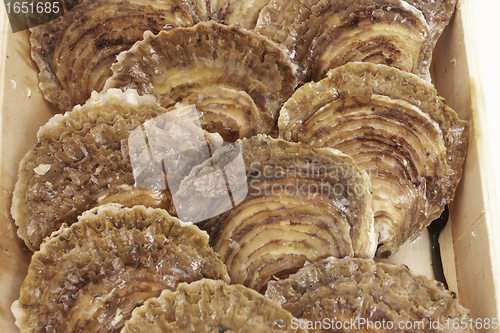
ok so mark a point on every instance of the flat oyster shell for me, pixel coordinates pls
(179, 63)
(210, 306)
(383, 32)
(395, 126)
(244, 13)
(90, 156)
(89, 277)
(231, 113)
(361, 294)
(75, 51)
(295, 204)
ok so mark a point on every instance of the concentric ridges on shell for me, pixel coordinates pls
(396, 127)
(244, 13)
(322, 34)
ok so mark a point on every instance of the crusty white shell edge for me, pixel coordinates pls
(165, 292)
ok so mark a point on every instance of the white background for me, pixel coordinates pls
(487, 26)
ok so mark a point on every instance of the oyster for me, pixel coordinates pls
(210, 306)
(90, 276)
(97, 154)
(395, 126)
(295, 204)
(187, 65)
(324, 34)
(364, 296)
(75, 51)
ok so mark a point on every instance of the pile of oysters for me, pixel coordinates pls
(235, 166)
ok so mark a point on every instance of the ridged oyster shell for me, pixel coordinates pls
(209, 306)
(364, 296)
(438, 14)
(93, 155)
(90, 276)
(395, 126)
(323, 34)
(75, 51)
(185, 65)
(290, 204)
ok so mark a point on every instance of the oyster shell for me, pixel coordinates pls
(438, 14)
(210, 306)
(395, 126)
(245, 13)
(388, 32)
(90, 276)
(97, 154)
(75, 51)
(187, 64)
(324, 34)
(295, 204)
(361, 294)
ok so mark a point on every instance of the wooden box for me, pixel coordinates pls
(470, 258)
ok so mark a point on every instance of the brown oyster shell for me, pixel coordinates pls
(323, 34)
(395, 126)
(96, 154)
(210, 306)
(244, 13)
(177, 66)
(75, 51)
(364, 296)
(290, 204)
(438, 14)
(89, 277)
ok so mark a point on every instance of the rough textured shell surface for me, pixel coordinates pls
(291, 204)
(90, 276)
(245, 13)
(367, 30)
(97, 154)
